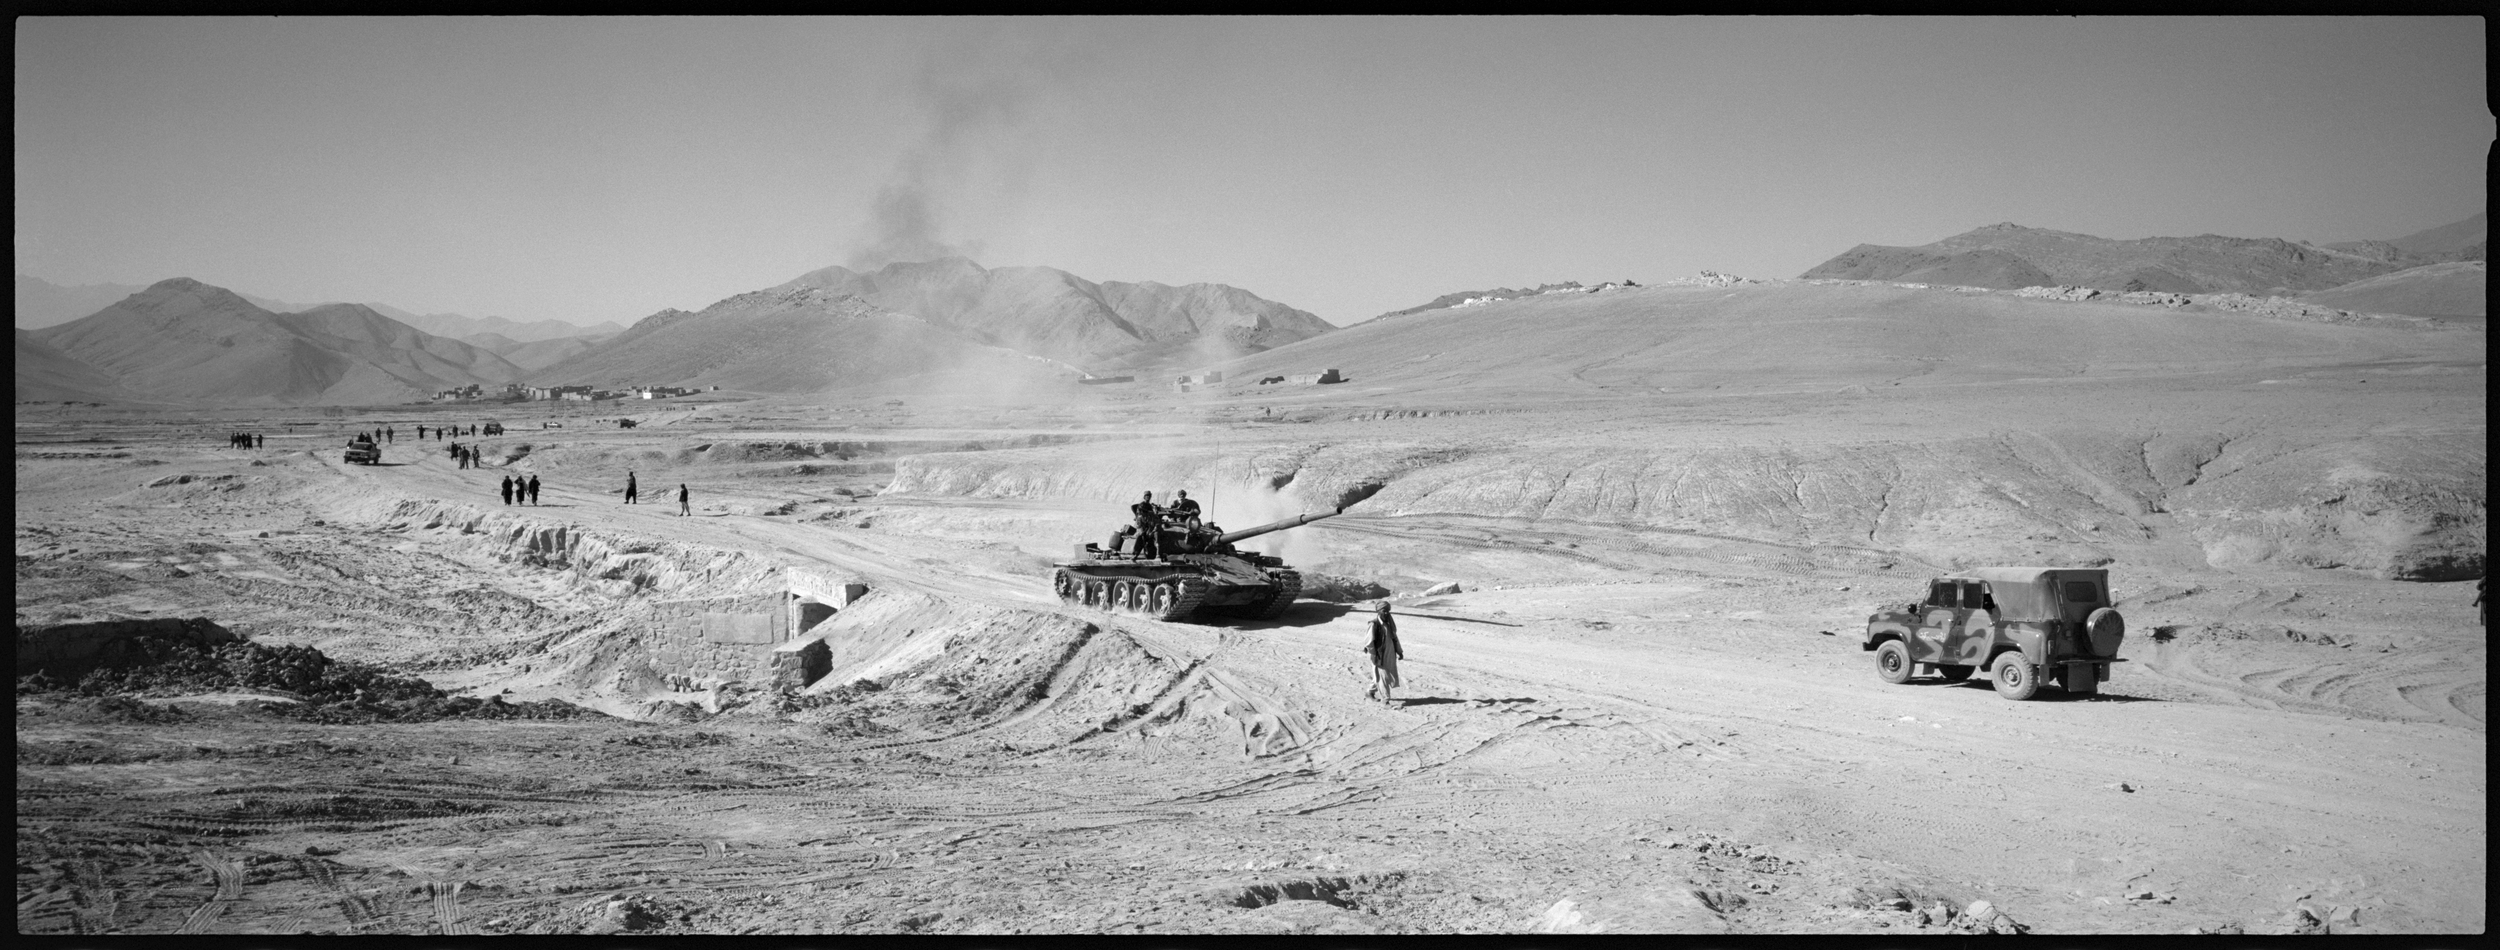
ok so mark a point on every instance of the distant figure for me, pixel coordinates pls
(507, 489)
(390, 434)
(630, 489)
(533, 489)
(1385, 653)
(683, 509)
(454, 452)
(2482, 604)
(260, 441)
(1183, 510)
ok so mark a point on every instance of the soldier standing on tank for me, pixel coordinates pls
(1184, 510)
(1149, 526)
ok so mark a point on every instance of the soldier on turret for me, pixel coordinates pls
(1148, 529)
(1183, 510)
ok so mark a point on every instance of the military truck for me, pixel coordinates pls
(2024, 625)
(362, 451)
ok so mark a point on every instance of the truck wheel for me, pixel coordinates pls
(1953, 672)
(1892, 662)
(2016, 680)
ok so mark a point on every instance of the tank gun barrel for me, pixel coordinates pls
(1293, 522)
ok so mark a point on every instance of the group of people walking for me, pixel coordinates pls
(245, 440)
(520, 491)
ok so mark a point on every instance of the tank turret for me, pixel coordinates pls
(1193, 570)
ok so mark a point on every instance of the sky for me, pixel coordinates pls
(604, 169)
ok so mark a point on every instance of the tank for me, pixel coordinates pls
(1198, 572)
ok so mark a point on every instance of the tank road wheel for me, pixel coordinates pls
(1954, 672)
(1097, 593)
(1067, 587)
(1120, 595)
(1177, 599)
(2016, 680)
(1892, 662)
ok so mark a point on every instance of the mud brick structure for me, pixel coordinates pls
(750, 636)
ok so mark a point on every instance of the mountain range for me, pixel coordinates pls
(2009, 256)
(183, 341)
(41, 303)
(1050, 312)
(794, 339)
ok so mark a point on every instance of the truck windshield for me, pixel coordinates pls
(2082, 592)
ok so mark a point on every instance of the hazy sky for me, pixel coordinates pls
(602, 169)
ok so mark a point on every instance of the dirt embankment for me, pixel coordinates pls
(2394, 506)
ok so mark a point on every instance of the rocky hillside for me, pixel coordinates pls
(1050, 312)
(45, 374)
(182, 340)
(801, 339)
(2009, 256)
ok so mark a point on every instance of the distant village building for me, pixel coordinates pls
(662, 392)
(555, 392)
(470, 391)
(1320, 378)
(1187, 383)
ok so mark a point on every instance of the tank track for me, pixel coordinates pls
(1188, 594)
(1288, 587)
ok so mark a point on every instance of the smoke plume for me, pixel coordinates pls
(969, 166)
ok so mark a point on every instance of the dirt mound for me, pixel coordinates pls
(330, 690)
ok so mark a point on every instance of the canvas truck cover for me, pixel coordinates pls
(2033, 593)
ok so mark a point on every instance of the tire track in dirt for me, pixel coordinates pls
(229, 877)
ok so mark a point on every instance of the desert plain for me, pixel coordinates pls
(1667, 512)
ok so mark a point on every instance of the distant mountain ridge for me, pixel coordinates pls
(2467, 240)
(797, 339)
(185, 341)
(2010, 256)
(1050, 312)
(41, 303)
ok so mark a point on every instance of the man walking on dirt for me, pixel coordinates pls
(1385, 653)
(507, 489)
(630, 490)
(533, 488)
(682, 508)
